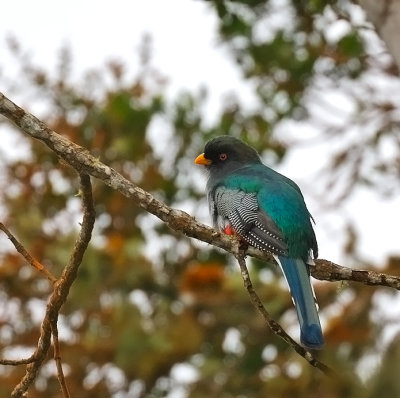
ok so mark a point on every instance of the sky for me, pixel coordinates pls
(101, 31)
(98, 33)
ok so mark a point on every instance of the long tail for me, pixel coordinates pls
(298, 279)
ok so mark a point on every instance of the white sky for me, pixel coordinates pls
(98, 31)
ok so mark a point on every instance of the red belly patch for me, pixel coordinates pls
(228, 230)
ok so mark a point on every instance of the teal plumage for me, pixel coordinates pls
(267, 210)
(282, 200)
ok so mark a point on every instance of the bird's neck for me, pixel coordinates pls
(218, 174)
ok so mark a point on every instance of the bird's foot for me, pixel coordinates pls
(243, 245)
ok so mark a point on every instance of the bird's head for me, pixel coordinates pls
(225, 153)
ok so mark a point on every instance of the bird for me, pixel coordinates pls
(266, 210)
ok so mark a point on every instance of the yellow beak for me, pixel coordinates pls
(202, 160)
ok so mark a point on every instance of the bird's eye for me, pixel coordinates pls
(223, 156)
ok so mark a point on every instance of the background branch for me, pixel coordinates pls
(61, 289)
(32, 261)
(57, 359)
(385, 16)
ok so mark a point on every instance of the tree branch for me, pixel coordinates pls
(81, 159)
(32, 261)
(385, 16)
(16, 362)
(61, 289)
(273, 325)
(326, 270)
(57, 359)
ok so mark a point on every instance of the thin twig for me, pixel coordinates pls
(275, 326)
(32, 261)
(16, 362)
(57, 359)
(61, 288)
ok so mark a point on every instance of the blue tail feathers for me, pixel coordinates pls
(298, 279)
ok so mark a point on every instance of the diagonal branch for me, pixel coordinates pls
(81, 159)
(275, 326)
(32, 261)
(61, 289)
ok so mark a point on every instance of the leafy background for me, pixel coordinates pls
(153, 313)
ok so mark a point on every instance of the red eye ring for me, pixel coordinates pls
(223, 156)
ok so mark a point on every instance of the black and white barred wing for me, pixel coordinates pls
(240, 210)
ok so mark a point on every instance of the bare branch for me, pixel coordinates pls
(32, 261)
(16, 362)
(57, 359)
(385, 15)
(273, 325)
(61, 289)
(81, 159)
(326, 270)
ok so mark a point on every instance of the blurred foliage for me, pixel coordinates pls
(321, 62)
(152, 312)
